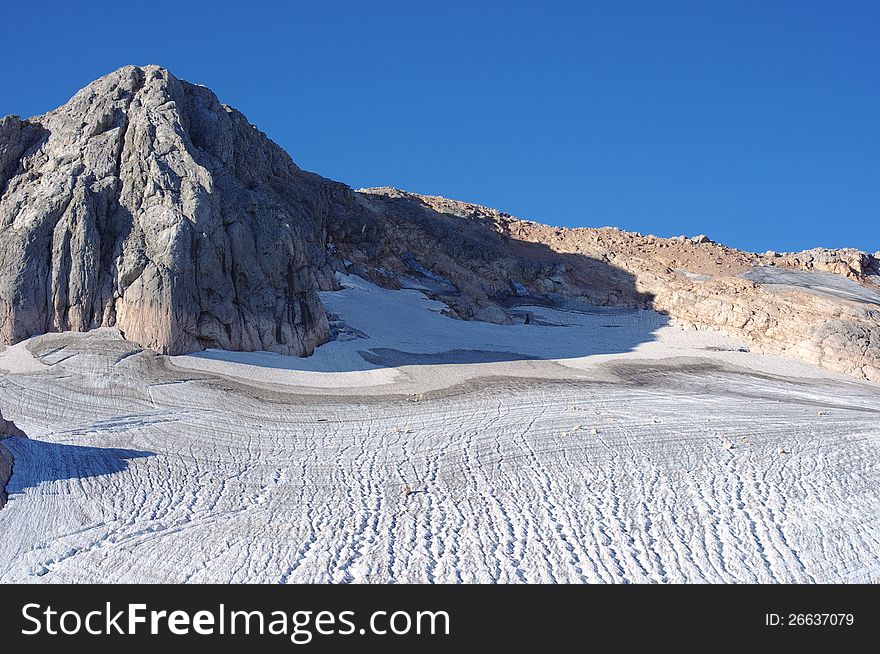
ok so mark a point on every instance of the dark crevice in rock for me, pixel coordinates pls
(7, 430)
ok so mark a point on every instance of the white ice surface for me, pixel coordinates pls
(616, 448)
(821, 283)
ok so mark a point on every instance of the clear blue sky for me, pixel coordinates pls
(755, 121)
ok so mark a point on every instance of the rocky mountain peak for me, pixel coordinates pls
(145, 204)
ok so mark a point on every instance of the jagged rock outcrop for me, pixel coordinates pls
(7, 428)
(145, 204)
(469, 261)
(848, 262)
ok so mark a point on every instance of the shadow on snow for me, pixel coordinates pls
(36, 462)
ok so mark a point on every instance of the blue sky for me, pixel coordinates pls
(756, 122)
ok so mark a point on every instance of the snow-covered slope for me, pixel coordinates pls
(583, 446)
(821, 283)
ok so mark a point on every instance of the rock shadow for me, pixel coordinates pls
(386, 328)
(35, 462)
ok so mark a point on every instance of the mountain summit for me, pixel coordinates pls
(146, 205)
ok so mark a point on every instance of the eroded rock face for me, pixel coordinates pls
(848, 262)
(145, 204)
(7, 428)
(469, 257)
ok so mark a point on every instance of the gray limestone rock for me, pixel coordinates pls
(145, 204)
(7, 428)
